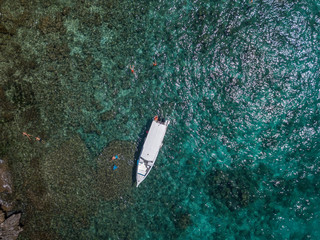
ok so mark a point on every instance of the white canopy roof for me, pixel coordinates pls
(153, 141)
(142, 169)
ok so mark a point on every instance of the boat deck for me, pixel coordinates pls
(150, 150)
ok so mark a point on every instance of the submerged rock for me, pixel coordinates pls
(182, 221)
(7, 108)
(233, 188)
(115, 177)
(49, 24)
(3, 29)
(107, 115)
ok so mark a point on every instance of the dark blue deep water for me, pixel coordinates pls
(239, 81)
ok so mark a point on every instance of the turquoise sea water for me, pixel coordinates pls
(239, 81)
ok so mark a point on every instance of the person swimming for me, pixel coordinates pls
(39, 139)
(27, 135)
(132, 68)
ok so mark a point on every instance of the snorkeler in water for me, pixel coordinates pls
(132, 68)
(27, 135)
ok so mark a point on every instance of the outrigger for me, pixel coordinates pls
(151, 147)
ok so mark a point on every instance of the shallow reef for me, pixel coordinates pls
(239, 81)
(67, 185)
(112, 183)
(182, 220)
(234, 188)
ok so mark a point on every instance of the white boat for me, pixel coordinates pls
(151, 147)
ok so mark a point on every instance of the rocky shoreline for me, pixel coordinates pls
(10, 226)
(9, 219)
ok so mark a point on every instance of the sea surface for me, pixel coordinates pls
(238, 79)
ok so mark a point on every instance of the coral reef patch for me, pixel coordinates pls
(232, 188)
(115, 177)
(68, 185)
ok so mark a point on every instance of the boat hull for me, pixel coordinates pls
(150, 149)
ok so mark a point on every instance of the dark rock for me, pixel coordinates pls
(2, 94)
(98, 65)
(7, 108)
(121, 65)
(44, 24)
(107, 115)
(91, 128)
(183, 221)
(7, 117)
(201, 14)
(65, 11)
(234, 189)
(97, 19)
(21, 93)
(89, 60)
(31, 64)
(3, 29)
(10, 228)
(31, 114)
(48, 24)
(10, 71)
(57, 51)
(97, 105)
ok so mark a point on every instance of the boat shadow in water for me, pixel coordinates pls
(141, 137)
